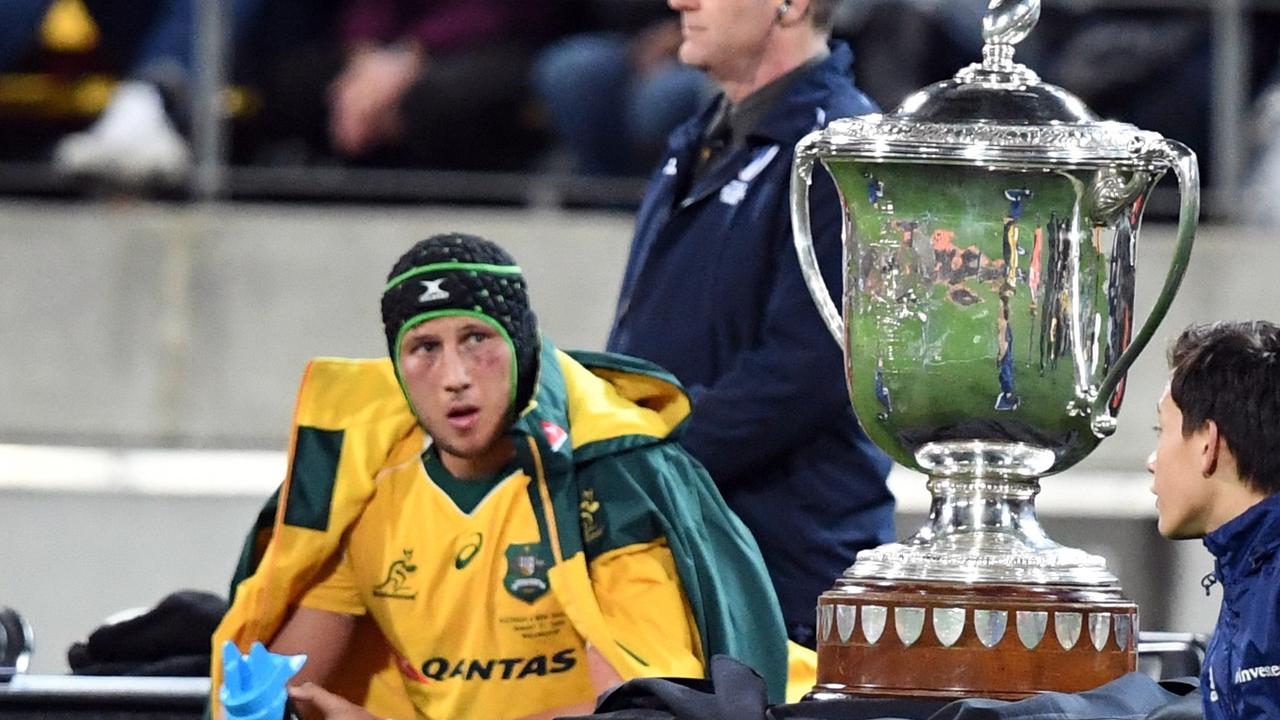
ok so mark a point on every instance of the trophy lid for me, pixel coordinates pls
(994, 112)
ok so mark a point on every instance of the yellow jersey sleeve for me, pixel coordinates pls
(335, 590)
(638, 589)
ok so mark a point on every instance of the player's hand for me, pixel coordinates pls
(316, 702)
(603, 676)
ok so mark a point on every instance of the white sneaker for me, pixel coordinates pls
(133, 142)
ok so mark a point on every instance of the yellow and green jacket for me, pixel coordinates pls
(352, 422)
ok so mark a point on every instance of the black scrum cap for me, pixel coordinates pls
(459, 274)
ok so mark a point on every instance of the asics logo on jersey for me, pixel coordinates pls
(433, 291)
(468, 551)
(439, 668)
(396, 584)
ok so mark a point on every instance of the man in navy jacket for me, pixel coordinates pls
(1217, 472)
(713, 292)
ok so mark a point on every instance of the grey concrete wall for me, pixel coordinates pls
(149, 325)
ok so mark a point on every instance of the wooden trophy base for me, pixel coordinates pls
(886, 638)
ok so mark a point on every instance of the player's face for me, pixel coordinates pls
(724, 37)
(457, 372)
(1183, 494)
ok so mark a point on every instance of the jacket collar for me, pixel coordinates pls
(1244, 543)
(735, 122)
(797, 113)
(589, 404)
(783, 124)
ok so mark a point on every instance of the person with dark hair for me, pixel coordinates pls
(713, 292)
(1217, 472)
(483, 526)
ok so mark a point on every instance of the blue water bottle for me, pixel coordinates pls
(253, 685)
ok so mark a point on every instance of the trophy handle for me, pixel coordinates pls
(1183, 161)
(802, 234)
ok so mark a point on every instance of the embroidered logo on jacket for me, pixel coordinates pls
(1249, 674)
(588, 511)
(735, 190)
(396, 584)
(526, 577)
(556, 435)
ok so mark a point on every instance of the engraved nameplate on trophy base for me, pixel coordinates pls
(951, 640)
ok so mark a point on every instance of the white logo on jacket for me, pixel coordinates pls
(1246, 675)
(736, 189)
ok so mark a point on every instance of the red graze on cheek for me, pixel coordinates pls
(489, 357)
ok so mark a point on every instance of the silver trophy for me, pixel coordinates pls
(991, 226)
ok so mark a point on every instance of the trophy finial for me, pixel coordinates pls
(1008, 22)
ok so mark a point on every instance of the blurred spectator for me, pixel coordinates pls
(136, 140)
(1149, 68)
(904, 45)
(422, 82)
(614, 95)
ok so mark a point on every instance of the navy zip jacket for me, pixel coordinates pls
(713, 292)
(1241, 676)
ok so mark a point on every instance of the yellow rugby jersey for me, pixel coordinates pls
(454, 573)
(625, 509)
